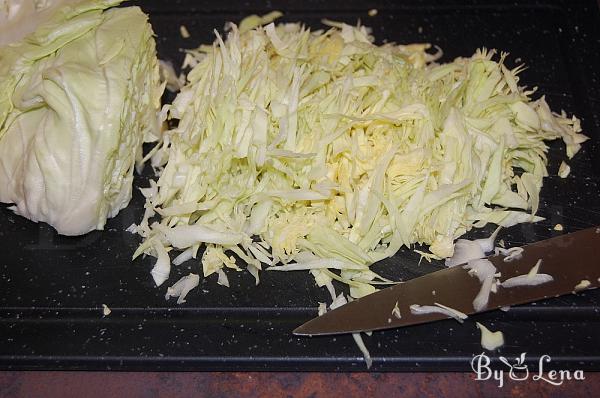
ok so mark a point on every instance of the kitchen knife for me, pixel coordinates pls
(573, 260)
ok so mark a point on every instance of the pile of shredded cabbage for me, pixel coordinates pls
(322, 151)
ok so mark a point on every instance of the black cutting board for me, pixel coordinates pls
(52, 288)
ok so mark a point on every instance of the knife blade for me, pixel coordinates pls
(569, 259)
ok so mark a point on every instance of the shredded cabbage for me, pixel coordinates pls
(363, 349)
(295, 143)
(396, 311)
(437, 308)
(532, 278)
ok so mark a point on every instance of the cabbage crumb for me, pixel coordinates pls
(182, 287)
(584, 284)
(564, 170)
(105, 310)
(558, 227)
(490, 340)
(183, 31)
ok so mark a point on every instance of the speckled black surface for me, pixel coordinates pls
(52, 288)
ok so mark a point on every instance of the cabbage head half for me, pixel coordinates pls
(79, 92)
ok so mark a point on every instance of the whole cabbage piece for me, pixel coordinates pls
(79, 91)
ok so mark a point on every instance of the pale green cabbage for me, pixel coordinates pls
(18, 18)
(77, 96)
(323, 150)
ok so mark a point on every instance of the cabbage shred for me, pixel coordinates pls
(310, 148)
